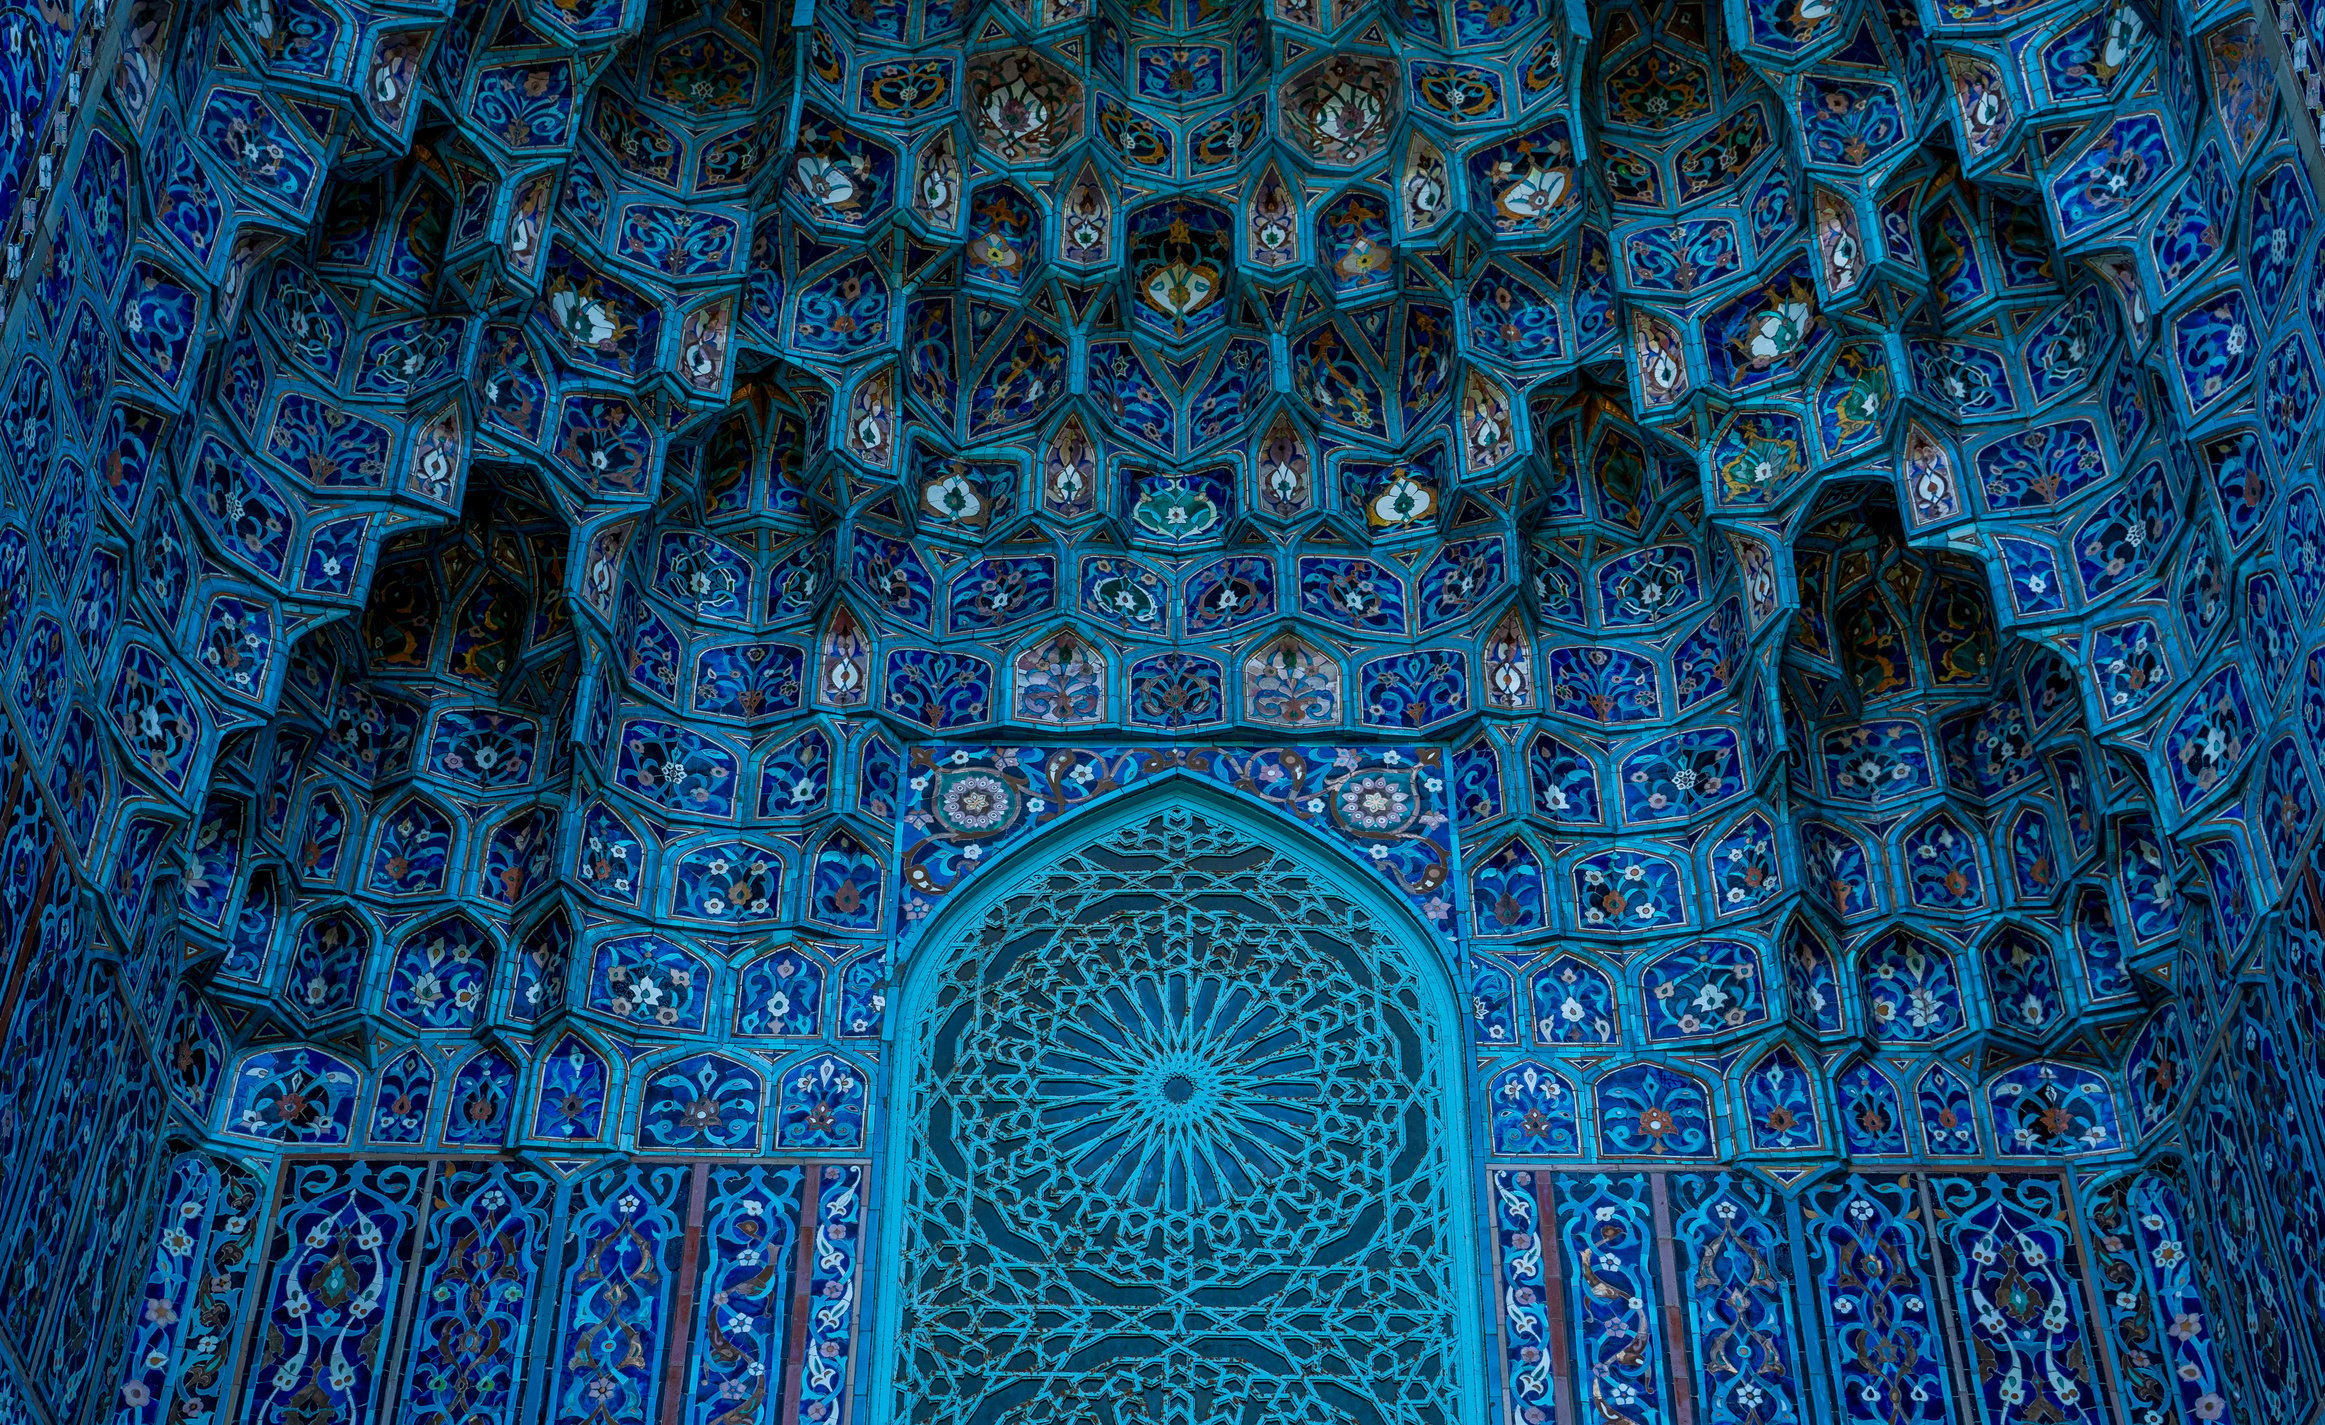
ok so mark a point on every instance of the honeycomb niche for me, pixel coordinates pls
(1186, 712)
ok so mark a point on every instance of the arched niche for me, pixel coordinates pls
(1178, 1132)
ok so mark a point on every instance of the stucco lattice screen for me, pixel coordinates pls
(1179, 1151)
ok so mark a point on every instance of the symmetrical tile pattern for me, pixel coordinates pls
(1775, 548)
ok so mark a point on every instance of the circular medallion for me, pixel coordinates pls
(1377, 803)
(975, 802)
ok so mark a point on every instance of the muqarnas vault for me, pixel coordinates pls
(1565, 712)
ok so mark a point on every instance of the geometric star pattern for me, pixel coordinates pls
(553, 552)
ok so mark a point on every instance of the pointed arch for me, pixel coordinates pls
(1139, 1134)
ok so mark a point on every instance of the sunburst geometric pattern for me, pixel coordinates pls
(545, 547)
(1180, 1120)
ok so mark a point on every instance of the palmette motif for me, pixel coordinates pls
(1749, 572)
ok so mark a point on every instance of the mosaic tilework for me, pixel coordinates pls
(555, 554)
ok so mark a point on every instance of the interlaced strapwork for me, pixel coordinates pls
(1178, 1153)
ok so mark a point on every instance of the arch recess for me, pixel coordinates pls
(1179, 1133)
